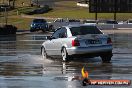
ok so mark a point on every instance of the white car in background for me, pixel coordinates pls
(128, 21)
(90, 22)
(78, 40)
(121, 22)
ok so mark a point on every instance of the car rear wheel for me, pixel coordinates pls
(64, 54)
(106, 57)
(32, 30)
(44, 54)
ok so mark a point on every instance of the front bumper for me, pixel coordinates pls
(38, 27)
(89, 50)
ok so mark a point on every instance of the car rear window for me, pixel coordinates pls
(83, 30)
(39, 21)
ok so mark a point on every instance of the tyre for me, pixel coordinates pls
(32, 30)
(44, 54)
(106, 57)
(64, 54)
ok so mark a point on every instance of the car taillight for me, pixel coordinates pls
(75, 43)
(109, 41)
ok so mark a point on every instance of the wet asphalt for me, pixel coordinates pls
(22, 66)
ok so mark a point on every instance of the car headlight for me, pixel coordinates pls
(32, 25)
(46, 25)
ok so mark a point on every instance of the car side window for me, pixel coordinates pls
(60, 33)
(56, 34)
(63, 33)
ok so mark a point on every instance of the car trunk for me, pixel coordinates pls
(92, 40)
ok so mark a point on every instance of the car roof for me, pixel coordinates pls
(78, 25)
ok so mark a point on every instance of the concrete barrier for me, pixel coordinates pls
(100, 26)
(114, 26)
(60, 24)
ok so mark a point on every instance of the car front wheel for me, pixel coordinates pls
(31, 30)
(44, 54)
(106, 57)
(64, 54)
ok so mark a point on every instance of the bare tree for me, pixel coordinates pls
(9, 2)
(13, 3)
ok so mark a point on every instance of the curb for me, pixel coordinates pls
(19, 32)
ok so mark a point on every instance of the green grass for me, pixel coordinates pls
(84, 14)
(67, 3)
(79, 14)
(20, 23)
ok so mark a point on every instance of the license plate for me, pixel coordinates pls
(93, 42)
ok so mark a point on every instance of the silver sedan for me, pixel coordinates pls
(78, 40)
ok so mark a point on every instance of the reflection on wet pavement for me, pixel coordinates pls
(32, 73)
(21, 62)
(20, 66)
(122, 40)
(7, 45)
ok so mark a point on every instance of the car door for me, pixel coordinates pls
(62, 34)
(51, 44)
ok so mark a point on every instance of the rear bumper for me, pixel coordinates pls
(89, 50)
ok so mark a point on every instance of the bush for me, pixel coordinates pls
(8, 29)
(40, 10)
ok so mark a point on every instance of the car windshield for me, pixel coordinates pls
(83, 30)
(39, 21)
